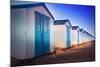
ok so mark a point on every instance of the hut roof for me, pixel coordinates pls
(27, 4)
(81, 30)
(75, 27)
(84, 31)
(61, 22)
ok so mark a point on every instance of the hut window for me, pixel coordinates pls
(39, 22)
(47, 24)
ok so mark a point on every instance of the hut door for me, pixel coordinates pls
(46, 31)
(68, 37)
(41, 34)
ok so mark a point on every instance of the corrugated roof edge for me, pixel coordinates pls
(56, 22)
(81, 30)
(84, 31)
(64, 21)
(31, 5)
(75, 27)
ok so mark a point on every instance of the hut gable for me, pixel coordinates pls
(59, 22)
(75, 27)
(84, 31)
(32, 5)
(62, 22)
(81, 30)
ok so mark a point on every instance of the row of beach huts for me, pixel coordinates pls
(35, 32)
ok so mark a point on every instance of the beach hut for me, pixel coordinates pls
(87, 37)
(62, 34)
(75, 35)
(91, 37)
(80, 36)
(84, 36)
(30, 30)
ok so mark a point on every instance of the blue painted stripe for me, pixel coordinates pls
(68, 37)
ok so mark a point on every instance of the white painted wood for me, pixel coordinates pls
(30, 35)
(74, 37)
(23, 31)
(18, 20)
(80, 37)
(59, 36)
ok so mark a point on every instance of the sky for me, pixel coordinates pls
(79, 15)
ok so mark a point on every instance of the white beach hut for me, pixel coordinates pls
(31, 25)
(80, 36)
(62, 34)
(75, 35)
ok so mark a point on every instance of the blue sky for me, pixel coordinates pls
(82, 16)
